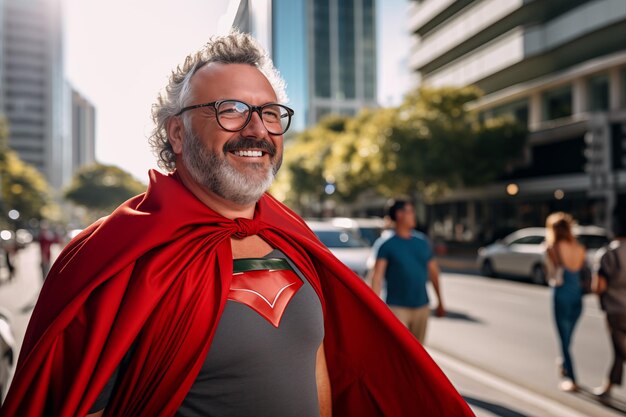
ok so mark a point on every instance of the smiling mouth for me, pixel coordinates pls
(248, 153)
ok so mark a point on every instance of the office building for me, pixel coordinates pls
(83, 131)
(324, 49)
(558, 66)
(32, 85)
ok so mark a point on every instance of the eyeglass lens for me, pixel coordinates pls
(234, 115)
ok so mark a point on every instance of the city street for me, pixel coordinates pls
(497, 344)
(500, 332)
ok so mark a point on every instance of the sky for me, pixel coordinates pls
(119, 53)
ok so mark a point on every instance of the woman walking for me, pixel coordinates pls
(566, 257)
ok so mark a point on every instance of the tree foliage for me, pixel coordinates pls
(102, 187)
(23, 187)
(429, 144)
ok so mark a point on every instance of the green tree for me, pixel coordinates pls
(303, 179)
(101, 188)
(429, 144)
(446, 146)
(23, 188)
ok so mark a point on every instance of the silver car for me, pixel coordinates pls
(523, 252)
(347, 246)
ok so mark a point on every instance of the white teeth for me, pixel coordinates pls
(248, 153)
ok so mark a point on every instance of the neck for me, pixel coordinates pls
(215, 202)
(404, 232)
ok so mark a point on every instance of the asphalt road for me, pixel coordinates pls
(504, 332)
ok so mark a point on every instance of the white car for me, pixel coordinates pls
(523, 252)
(368, 228)
(348, 247)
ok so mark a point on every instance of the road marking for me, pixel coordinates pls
(505, 386)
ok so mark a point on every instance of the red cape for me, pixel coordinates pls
(157, 271)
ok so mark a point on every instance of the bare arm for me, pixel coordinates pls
(598, 285)
(98, 414)
(433, 275)
(377, 274)
(323, 384)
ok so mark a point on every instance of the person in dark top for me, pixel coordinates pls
(405, 260)
(610, 284)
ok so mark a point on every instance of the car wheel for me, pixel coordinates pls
(538, 275)
(487, 269)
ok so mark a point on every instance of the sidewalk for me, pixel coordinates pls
(490, 396)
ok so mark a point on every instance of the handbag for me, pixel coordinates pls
(585, 279)
(555, 274)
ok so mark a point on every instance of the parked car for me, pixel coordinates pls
(346, 245)
(369, 229)
(522, 253)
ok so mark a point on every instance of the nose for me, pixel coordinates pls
(255, 128)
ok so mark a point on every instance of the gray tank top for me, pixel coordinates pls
(254, 368)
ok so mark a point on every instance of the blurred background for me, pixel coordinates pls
(488, 114)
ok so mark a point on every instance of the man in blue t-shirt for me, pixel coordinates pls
(406, 262)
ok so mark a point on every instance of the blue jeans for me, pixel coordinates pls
(567, 310)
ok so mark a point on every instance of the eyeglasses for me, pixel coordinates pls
(234, 115)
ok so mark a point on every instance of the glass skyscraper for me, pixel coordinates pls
(324, 49)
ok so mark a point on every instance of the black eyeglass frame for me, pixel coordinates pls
(257, 109)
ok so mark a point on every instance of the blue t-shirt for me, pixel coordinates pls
(407, 269)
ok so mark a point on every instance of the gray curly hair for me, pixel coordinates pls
(234, 48)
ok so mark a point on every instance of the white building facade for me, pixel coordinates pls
(558, 66)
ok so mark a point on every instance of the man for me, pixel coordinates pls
(205, 296)
(610, 284)
(405, 261)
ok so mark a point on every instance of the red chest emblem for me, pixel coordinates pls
(267, 291)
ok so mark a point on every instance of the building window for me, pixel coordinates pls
(368, 42)
(347, 76)
(623, 98)
(557, 103)
(517, 109)
(599, 93)
(321, 49)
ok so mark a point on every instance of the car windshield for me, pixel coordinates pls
(593, 241)
(339, 239)
(370, 234)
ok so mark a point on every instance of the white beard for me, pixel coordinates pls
(215, 173)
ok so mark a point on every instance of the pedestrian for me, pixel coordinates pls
(9, 249)
(205, 296)
(610, 284)
(565, 260)
(46, 238)
(405, 262)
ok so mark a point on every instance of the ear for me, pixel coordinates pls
(175, 134)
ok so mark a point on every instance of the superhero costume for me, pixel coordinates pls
(253, 367)
(140, 276)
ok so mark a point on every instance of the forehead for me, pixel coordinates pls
(217, 81)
